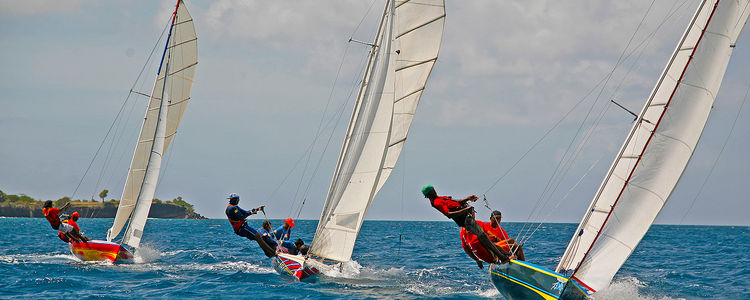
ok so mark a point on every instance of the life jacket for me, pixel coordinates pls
(236, 224)
(52, 216)
(62, 236)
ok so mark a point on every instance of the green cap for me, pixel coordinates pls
(427, 189)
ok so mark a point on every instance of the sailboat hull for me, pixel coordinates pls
(295, 266)
(100, 251)
(522, 280)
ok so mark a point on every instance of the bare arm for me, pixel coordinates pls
(65, 206)
(470, 198)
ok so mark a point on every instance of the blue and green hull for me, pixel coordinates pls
(522, 280)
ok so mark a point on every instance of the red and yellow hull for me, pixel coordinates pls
(100, 251)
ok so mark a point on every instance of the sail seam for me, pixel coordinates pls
(417, 64)
(409, 94)
(183, 68)
(420, 26)
(178, 102)
(183, 22)
(632, 171)
(183, 42)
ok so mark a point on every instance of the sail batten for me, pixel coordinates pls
(405, 49)
(654, 155)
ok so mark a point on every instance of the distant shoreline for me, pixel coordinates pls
(20, 206)
(99, 210)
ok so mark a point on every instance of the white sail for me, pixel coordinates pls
(406, 49)
(181, 55)
(361, 158)
(418, 31)
(134, 232)
(658, 147)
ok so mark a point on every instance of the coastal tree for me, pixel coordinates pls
(103, 194)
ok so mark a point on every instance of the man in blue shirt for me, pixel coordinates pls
(280, 235)
(237, 215)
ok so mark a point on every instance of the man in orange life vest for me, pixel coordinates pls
(463, 215)
(53, 217)
(501, 239)
(72, 221)
(237, 215)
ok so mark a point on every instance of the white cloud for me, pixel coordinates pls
(38, 7)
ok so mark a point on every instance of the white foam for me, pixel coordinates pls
(626, 288)
(145, 254)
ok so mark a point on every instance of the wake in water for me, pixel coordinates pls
(625, 289)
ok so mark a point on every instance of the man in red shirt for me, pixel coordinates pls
(463, 215)
(72, 221)
(500, 238)
(472, 247)
(53, 217)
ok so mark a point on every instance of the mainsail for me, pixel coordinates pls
(658, 147)
(404, 52)
(169, 99)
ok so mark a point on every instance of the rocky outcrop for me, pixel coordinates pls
(100, 210)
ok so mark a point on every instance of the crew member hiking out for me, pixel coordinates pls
(462, 213)
(501, 239)
(72, 221)
(237, 216)
(470, 244)
(53, 217)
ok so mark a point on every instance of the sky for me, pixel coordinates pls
(270, 72)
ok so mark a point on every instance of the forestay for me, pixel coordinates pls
(174, 78)
(658, 147)
(405, 51)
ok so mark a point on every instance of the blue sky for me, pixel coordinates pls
(507, 72)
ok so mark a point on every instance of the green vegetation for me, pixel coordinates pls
(103, 194)
(180, 202)
(25, 200)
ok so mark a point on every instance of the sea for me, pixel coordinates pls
(392, 260)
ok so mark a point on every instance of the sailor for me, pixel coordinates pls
(280, 235)
(237, 216)
(72, 221)
(267, 234)
(284, 233)
(498, 235)
(462, 213)
(470, 244)
(298, 246)
(53, 217)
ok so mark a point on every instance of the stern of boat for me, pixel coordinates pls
(100, 251)
(295, 266)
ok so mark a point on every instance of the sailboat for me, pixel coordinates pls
(167, 103)
(647, 167)
(401, 59)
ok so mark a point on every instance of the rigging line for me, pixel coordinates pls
(117, 115)
(557, 205)
(335, 123)
(319, 132)
(364, 16)
(593, 104)
(330, 97)
(716, 161)
(672, 11)
(330, 137)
